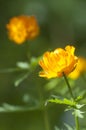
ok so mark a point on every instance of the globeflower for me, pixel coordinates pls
(57, 62)
(80, 68)
(22, 28)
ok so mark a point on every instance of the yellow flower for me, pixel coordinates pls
(22, 28)
(60, 61)
(80, 68)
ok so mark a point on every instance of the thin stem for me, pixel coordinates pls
(45, 111)
(46, 120)
(68, 86)
(77, 122)
(70, 90)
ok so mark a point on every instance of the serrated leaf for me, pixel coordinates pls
(78, 113)
(64, 101)
(80, 106)
(78, 98)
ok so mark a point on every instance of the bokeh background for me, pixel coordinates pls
(61, 22)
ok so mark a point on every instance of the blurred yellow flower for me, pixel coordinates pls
(80, 68)
(60, 61)
(22, 28)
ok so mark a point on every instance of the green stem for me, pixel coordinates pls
(46, 120)
(77, 122)
(68, 86)
(70, 90)
(45, 111)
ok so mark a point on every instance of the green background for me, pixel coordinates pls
(61, 22)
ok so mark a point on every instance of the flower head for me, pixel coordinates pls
(60, 61)
(22, 28)
(80, 68)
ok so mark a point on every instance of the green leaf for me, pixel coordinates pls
(12, 108)
(78, 106)
(68, 127)
(21, 79)
(10, 70)
(23, 65)
(56, 128)
(78, 113)
(52, 84)
(79, 98)
(64, 101)
(34, 62)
